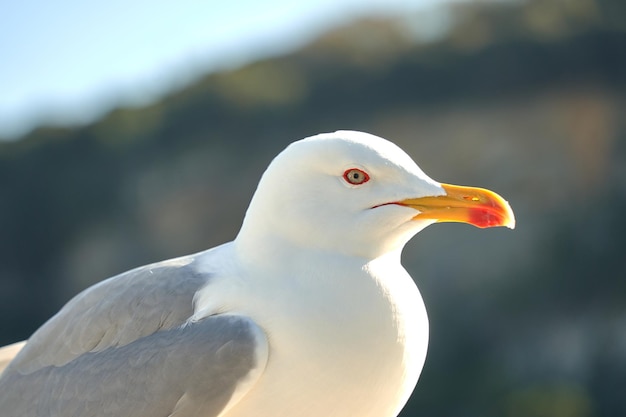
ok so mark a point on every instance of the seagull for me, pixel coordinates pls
(307, 313)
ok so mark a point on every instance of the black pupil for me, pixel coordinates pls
(355, 175)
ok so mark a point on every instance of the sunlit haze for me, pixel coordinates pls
(68, 61)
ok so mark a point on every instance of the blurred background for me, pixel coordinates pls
(135, 133)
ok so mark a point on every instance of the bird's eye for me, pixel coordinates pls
(356, 176)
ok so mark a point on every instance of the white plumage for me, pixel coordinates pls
(307, 313)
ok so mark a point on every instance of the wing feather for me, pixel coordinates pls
(114, 313)
(126, 347)
(184, 371)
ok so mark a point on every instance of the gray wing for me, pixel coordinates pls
(125, 348)
(115, 312)
(191, 370)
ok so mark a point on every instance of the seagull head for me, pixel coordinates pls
(360, 195)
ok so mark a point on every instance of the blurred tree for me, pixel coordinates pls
(525, 97)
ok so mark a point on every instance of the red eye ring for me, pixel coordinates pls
(356, 176)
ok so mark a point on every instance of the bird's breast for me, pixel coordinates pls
(353, 345)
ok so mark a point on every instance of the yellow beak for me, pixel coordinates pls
(476, 206)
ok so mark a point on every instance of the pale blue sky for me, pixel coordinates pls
(69, 60)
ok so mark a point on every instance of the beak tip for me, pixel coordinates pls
(497, 213)
(510, 223)
(509, 216)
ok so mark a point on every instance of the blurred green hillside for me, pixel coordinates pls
(525, 98)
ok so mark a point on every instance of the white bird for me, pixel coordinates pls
(307, 313)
